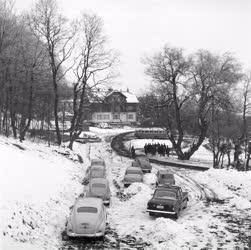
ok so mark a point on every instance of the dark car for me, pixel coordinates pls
(142, 162)
(167, 200)
(164, 177)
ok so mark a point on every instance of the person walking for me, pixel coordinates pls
(133, 152)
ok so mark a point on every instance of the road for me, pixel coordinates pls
(208, 219)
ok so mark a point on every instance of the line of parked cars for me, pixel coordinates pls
(88, 215)
(167, 198)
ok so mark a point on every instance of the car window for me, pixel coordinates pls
(97, 173)
(92, 210)
(98, 185)
(133, 171)
(165, 194)
(167, 176)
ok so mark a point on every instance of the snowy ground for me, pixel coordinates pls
(39, 184)
(202, 155)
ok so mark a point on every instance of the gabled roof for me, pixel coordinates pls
(130, 98)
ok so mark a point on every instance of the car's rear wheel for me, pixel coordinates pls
(151, 213)
(176, 216)
(185, 206)
(65, 236)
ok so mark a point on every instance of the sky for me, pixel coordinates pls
(138, 28)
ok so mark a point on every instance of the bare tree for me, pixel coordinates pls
(34, 60)
(93, 68)
(245, 109)
(197, 80)
(58, 34)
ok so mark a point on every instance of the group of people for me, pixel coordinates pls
(157, 148)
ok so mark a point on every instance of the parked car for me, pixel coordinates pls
(143, 162)
(104, 125)
(95, 171)
(98, 162)
(164, 177)
(167, 200)
(132, 174)
(87, 219)
(99, 187)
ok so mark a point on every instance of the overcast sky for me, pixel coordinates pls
(141, 27)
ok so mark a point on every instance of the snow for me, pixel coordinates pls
(202, 157)
(227, 183)
(130, 98)
(140, 143)
(39, 183)
(240, 203)
(113, 131)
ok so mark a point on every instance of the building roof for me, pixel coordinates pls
(130, 98)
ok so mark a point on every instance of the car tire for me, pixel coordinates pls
(151, 213)
(65, 237)
(185, 204)
(176, 216)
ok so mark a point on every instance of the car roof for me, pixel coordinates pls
(133, 168)
(89, 202)
(97, 160)
(99, 180)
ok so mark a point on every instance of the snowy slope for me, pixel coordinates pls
(37, 187)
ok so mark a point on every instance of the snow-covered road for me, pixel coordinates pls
(217, 216)
(201, 225)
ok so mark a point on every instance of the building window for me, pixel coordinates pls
(130, 108)
(103, 117)
(115, 116)
(130, 117)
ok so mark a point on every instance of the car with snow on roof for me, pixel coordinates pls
(165, 177)
(167, 200)
(132, 174)
(99, 188)
(142, 162)
(94, 171)
(87, 219)
(98, 162)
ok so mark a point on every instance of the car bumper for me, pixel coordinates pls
(130, 182)
(160, 211)
(106, 202)
(85, 235)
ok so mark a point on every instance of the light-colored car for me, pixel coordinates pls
(142, 162)
(95, 171)
(99, 187)
(98, 162)
(164, 177)
(132, 174)
(87, 218)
